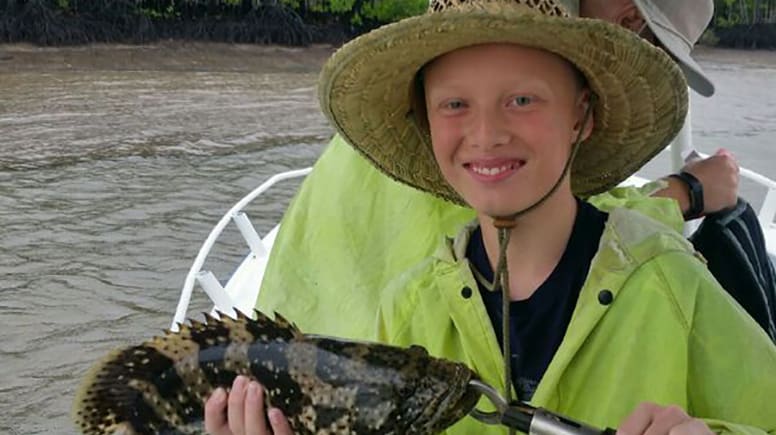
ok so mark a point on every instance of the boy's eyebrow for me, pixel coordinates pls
(516, 86)
(517, 83)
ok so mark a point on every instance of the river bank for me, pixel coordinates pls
(222, 57)
(713, 57)
(760, 36)
(164, 56)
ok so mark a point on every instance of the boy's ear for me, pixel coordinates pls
(418, 102)
(583, 106)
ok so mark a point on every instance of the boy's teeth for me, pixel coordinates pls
(490, 171)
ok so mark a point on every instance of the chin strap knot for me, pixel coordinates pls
(506, 223)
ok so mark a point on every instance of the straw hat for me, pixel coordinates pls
(366, 87)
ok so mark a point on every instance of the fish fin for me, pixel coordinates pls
(418, 350)
(163, 379)
(196, 325)
(285, 323)
(114, 394)
(241, 315)
(213, 316)
(259, 316)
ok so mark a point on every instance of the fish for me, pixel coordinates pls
(323, 385)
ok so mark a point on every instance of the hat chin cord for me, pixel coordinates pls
(504, 225)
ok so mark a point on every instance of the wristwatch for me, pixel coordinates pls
(695, 188)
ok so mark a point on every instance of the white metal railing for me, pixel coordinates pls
(767, 213)
(222, 300)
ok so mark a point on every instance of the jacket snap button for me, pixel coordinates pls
(605, 297)
(466, 292)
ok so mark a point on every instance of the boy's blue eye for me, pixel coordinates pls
(522, 100)
(454, 104)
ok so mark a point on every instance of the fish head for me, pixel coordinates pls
(438, 397)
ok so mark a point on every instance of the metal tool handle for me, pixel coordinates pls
(526, 418)
(543, 422)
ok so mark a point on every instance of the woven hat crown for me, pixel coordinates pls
(555, 8)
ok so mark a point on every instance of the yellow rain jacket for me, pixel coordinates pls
(350, 230)
(670, 335)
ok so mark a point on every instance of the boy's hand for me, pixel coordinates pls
(652, 419)
(241, 412)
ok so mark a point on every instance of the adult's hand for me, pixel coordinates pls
(241, 412)
(653, 419)
(719, 176)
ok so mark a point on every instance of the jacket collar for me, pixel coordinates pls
(629, 240)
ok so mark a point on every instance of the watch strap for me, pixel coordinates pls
(695, 189)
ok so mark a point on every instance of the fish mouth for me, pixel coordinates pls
(456, 403)
(452, 409)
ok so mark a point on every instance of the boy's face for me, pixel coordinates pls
(503, 118)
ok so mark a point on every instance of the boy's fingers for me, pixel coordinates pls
(215, 413)
(666, 420)
(279, 422)
(638, 421)
(692, 427)
(255, 422)
(236, 411)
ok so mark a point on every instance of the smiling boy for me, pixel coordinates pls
(518, 110)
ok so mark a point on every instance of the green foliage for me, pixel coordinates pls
(389, 11)
(339, 6)
(382, 11)
(728, 13)
(159, 13)
(329, 6)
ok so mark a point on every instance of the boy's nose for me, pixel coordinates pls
(488, 129)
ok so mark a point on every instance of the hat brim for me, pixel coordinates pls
(693, 72)
(696, 78)
(679, 47)
(365, 90)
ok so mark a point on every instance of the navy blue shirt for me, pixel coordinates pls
(539, 323)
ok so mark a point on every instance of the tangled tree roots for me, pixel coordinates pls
(117, 21)
(762, 36)
(41, 22)
(269, 24)
(46, 22)
(335, 34)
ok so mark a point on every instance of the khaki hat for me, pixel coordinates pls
(678, 24)
(366, 87)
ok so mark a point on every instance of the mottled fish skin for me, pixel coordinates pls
(323, 385)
